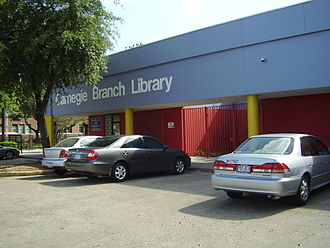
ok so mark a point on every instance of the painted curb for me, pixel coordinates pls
(25, 173)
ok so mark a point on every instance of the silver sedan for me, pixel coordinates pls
(275, 165)
(55, 156)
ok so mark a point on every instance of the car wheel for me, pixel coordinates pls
(119, 172)
(302, 195)
(179, 166)
(234, 194)
(60, 172)
(9, 155)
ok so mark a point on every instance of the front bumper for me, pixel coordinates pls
(275, 186)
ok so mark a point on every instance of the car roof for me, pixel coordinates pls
(283, 135)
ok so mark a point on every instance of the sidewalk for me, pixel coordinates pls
(202, 163)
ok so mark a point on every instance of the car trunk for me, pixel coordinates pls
(53, 152)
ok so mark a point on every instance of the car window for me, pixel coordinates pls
(152, 143)
(84, 142)
(311, 146)
(103, 141)
(67, 142)
(134, 142)
(306, 147)
(318, 147)
(266, 145)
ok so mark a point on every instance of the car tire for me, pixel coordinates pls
(179, 166)
(9, 155)
(234, 194)
(60, 172)
(303, 192)
(119, 172)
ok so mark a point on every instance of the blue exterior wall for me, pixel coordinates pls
(224, 61)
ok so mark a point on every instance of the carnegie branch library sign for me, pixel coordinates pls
(137, 86)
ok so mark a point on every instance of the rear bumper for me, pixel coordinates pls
(53, 162)
(268, 186)
(88, 168)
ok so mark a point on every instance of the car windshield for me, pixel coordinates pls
(266, 145)
(67, 142)
(103, 141)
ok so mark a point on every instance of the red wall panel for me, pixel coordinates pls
(148, 123)
(303, 114)
(210, 131)
(172, 136)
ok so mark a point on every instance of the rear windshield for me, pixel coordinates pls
(103, 141)
(69, 142)
(266, 145)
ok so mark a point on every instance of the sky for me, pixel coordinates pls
(147, 21)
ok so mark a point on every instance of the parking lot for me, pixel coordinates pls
(158, 210)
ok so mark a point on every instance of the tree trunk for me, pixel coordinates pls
(43, 130)
(41, 107)
(4, 125)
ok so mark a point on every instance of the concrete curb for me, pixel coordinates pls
(25, 173)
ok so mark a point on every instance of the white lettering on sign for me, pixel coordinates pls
(77, 98)
(139, 86)
(103, 93)
(157, 84)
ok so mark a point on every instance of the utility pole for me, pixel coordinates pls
(4, 125)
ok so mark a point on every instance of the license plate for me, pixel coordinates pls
(49, 164)
(243, 168)
(77, 156)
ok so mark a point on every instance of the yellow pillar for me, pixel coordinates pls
(253, 115)
(129, 127)
(50, 129)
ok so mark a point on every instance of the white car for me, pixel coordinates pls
(54, 157)
(275, 165)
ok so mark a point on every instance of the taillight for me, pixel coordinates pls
(271, 168)
(92, 155)
(220, 165)
(64, 153)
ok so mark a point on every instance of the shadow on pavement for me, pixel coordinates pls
(256, 206)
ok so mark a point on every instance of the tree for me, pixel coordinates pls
(50, 45)
(62, 124)
(7, 105)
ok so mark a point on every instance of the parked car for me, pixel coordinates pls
(276, 165)
(120, 156)
(55, 156)
(8, 152)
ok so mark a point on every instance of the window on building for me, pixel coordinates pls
(15, 128)
(116, 124)
(68, 130)
(112, 124)
(81, 128)
(28, 130)
(21, 128)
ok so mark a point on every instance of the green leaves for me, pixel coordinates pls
(49, 45)
(54, 42)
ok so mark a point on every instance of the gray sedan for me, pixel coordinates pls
(276, 165)
(119, 156)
